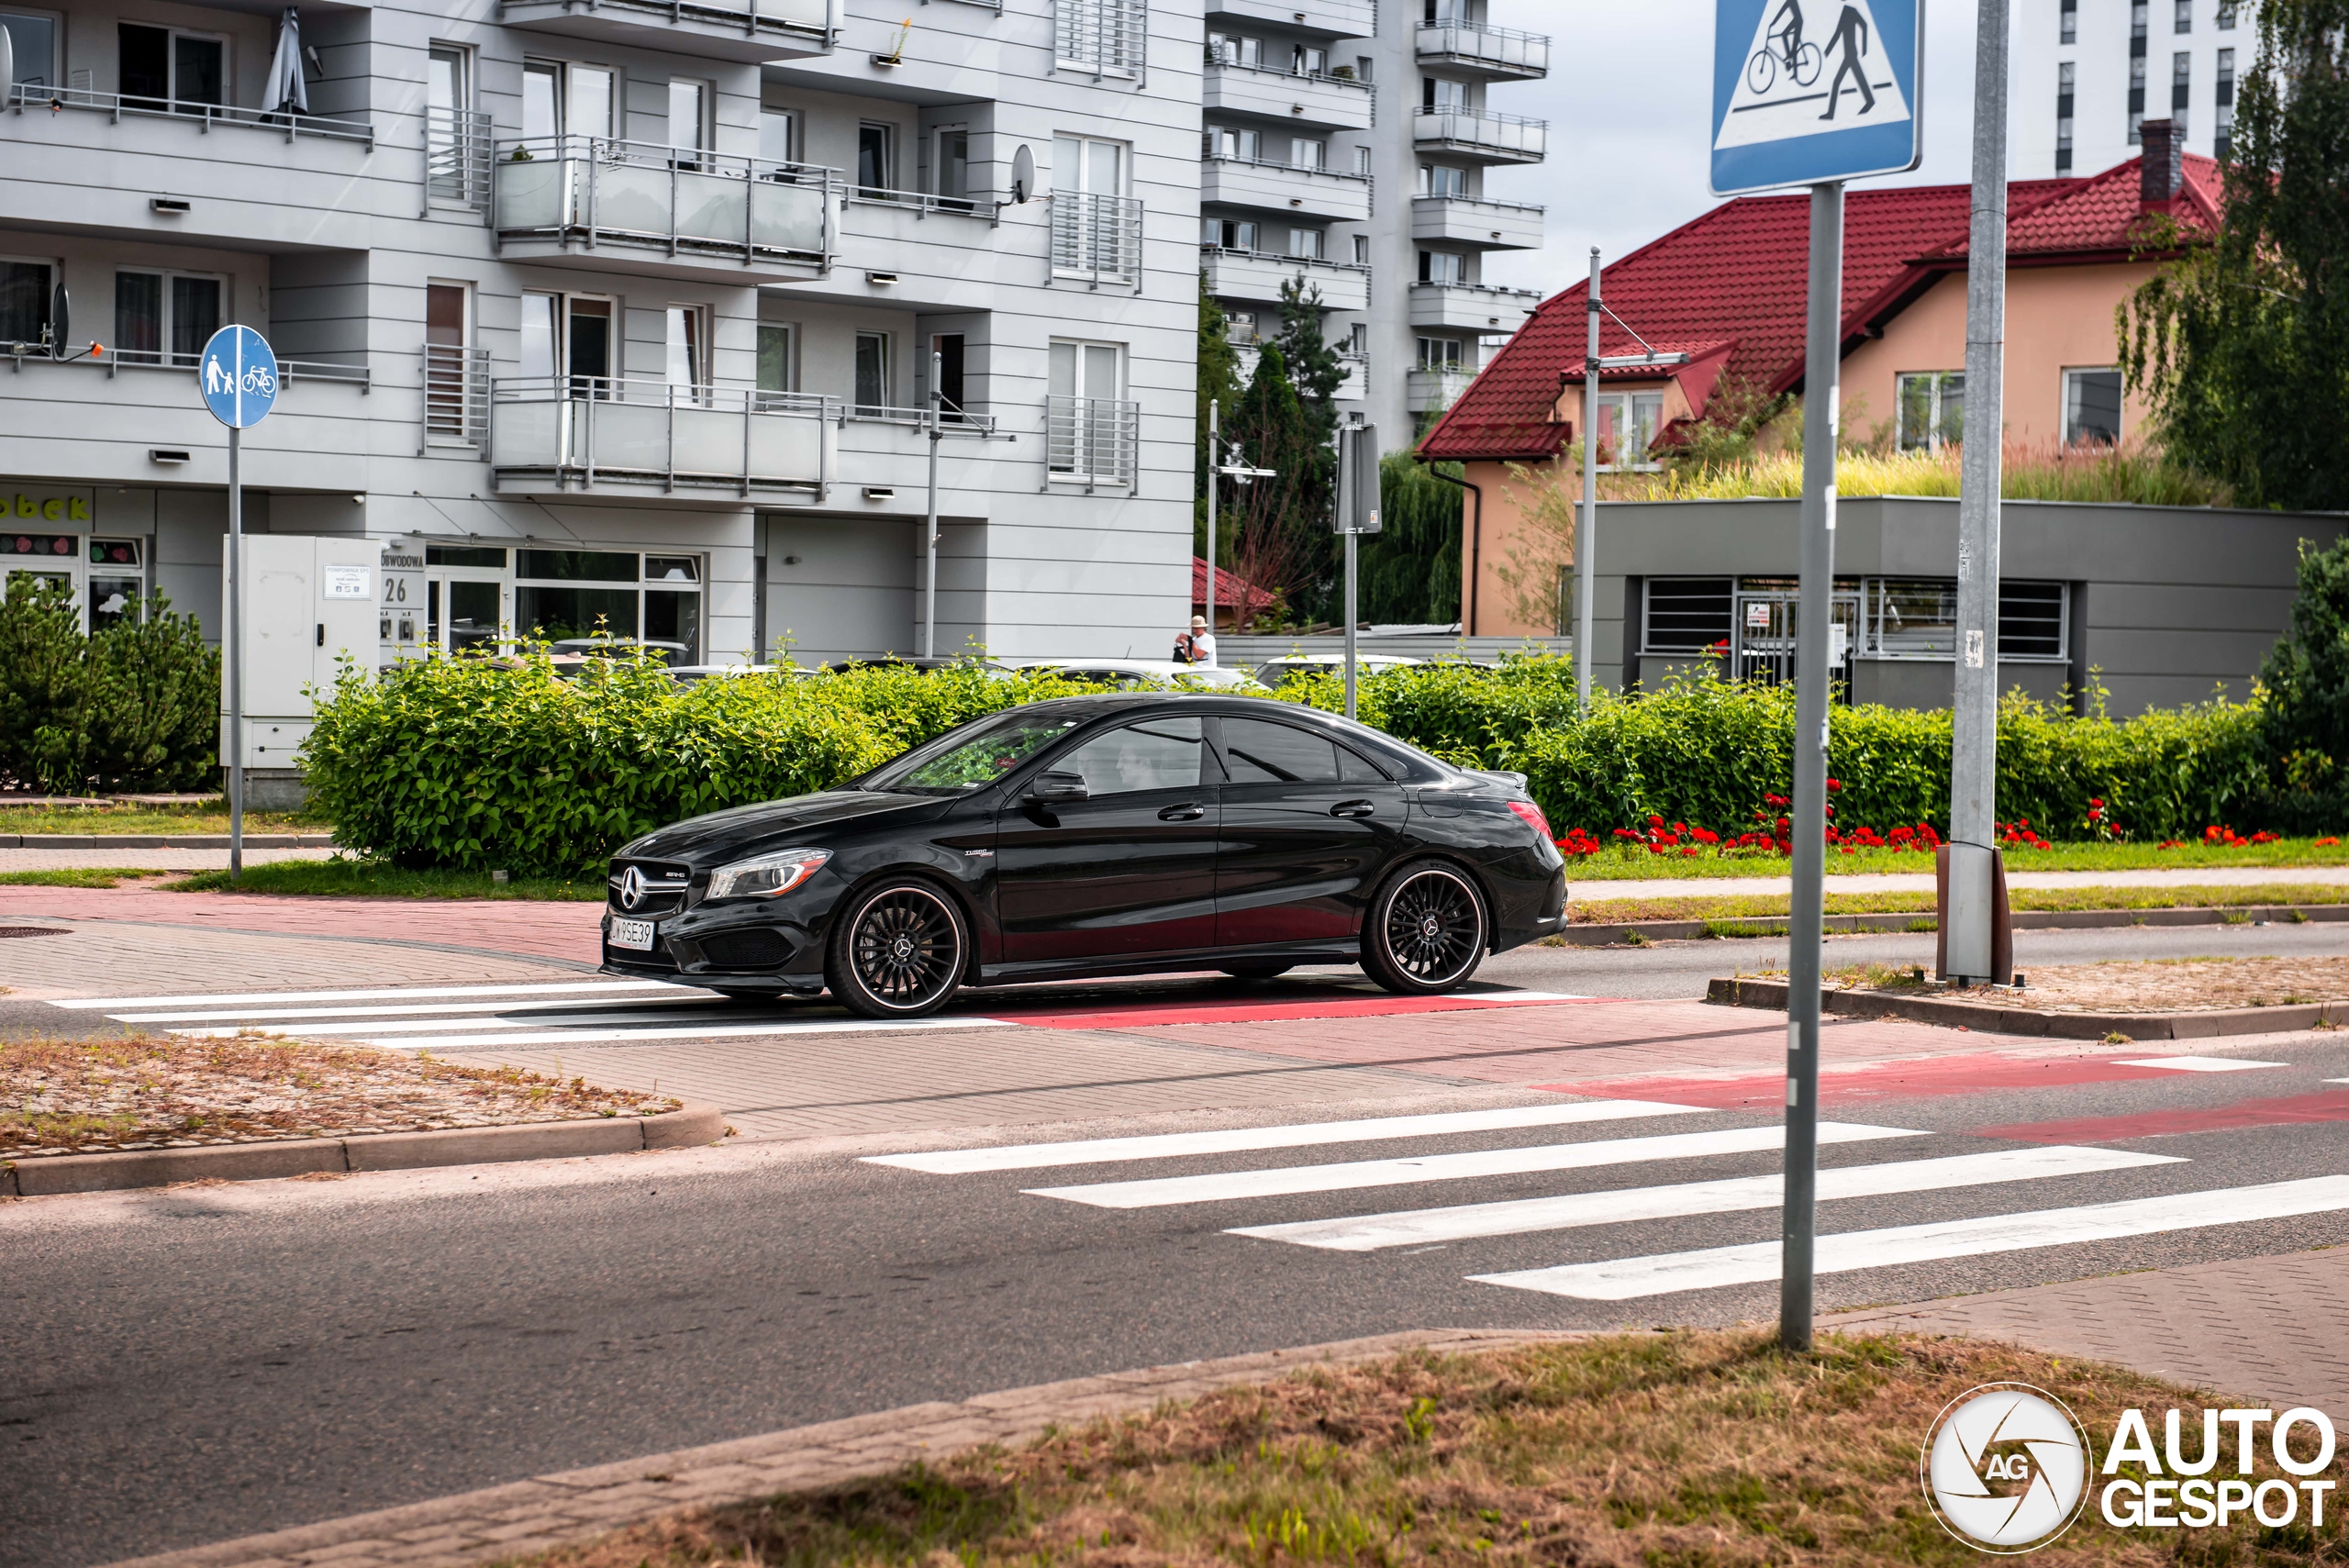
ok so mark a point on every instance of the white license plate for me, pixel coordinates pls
(636, 934)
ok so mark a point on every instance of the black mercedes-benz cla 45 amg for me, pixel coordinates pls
(1096, 835)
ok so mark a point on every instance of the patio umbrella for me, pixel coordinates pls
(285, 92)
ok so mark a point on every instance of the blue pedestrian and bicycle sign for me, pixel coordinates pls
(1803, 94)
(239, 376)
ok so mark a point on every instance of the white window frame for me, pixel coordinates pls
(1432, 263)
(52, 69)
(1936, 387)
(857, 406)
(1089, 439)
(1307, 244)
(685, 331)
(1622, 407)
(167, 275)
(171, 58)
(794, 128)
(2072, 374)
(690, 154)
(789, 332)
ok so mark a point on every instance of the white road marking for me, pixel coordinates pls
(372, 1027)
(1369, 1232)
(445, 1009)
(2200, 1064)
(1222, 1185)
(385, 994)
(708, 1031)
(1626, 1279)
(1300, 1135)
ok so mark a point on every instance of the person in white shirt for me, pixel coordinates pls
(1195, 646)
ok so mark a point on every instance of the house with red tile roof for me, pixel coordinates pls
(1727, 290)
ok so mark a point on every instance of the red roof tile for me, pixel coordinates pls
(1228, 590)
(1736, 277)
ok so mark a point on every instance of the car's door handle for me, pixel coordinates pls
(1354, 809)
(1185, 813)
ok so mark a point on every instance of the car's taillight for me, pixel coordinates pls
(1533, 815)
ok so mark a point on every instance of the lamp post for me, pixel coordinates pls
(1220, 466)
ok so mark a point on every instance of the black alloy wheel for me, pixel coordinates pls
(898, 951)
(1426, 930)
(1256, 971)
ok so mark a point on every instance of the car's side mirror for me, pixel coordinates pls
(1058, 788)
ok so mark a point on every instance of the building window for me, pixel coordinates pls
(2181, 92)
(2137, 30)
(873, 378)
(1090, 428)
(117, 590)
(453, 141)
(2224, 123)
(32, 42)
(1442, 353)
(1306, 153)
(1101, 36)
(876, 159)
(1442, 180)
(1227, 233)
(1442, 267)
(689, 135)
(2182, 17)
(568, 100)
(1438, 93)
(1308, 60)
(1892, 618)
(23, 303)
(2067, 22)
(1227, 142)
(2091, 407)
(688, 353)
(778, 139)
(948, 348)
(564, 594)
(2064, 99)
(2226, 16)
(1240, 326)
(1932, 409)
(1305, 244)
(949, 167)
(1362, 160)
(1357, 342)
(452, 389)
(1362, 250)
(166, 68)
(1629, 423)
(1231, 49)
(778, 368)
(163, 319)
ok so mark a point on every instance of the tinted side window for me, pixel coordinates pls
(1163, 754)
(1265, 752)
(1355, 768)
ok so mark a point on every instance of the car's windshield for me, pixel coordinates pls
(962, 761)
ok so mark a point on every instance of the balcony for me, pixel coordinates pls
(632, 206)
(96, 162)
(1491, 54)
(1470, 220)
(593, 436)
(1355, 387)
(1097, 238)
(1104, 38)
(1430, 389)
(1471, 307)
(1257, 276)
(1333, 102)
(1092, 441)
(459, 151)
(754, 31)
(1316, 18)
(1284, 188)
(456, 397)
(1477, 134)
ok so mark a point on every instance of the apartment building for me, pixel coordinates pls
(1349, 144)
(2089, 73)
(618, 315)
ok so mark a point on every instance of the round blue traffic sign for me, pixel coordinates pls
(239, 376)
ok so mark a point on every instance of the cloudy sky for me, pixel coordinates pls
(1627, 99)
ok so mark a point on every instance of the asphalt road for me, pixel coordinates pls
(197, 1364)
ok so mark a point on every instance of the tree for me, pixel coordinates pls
(1315, 371)
(2241, 344)
(1219, 382)
(2304, 714)
(1409, 570)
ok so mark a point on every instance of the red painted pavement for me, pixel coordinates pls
(1973, 1073)
(2291, 1109)
(533, 927)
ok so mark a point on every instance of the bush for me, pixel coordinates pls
(137, 704)
(479, 765)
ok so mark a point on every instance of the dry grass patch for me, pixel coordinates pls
(79, 1096)
(2175, 986)
(1662, 1451)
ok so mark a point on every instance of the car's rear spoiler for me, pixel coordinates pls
(1514, 781)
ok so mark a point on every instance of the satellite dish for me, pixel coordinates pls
(60, 321)
(1023, 174)
(7, 65)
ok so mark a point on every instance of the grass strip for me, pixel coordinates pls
(78, 876)
(150, 819)
(1670, 1450)
(373, 879)
(1619, 863)
(1761, 906)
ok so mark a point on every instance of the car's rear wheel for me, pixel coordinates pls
(1425, 931)
(898, 951)
(1256, 971)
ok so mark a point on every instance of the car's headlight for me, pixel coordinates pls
(766, 876)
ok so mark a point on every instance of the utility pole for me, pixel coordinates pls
(930, 528)
(1358, 481)
(1974, 750)
(1215, 494)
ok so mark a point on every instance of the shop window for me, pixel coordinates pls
(573, 594)
(117, 585)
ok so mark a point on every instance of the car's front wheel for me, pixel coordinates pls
(1426, 930)
(897, 950)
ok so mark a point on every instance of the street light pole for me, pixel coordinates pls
(1585, 586)
(1215, 487)
(930, 528)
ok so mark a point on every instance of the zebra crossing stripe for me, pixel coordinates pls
(1238, 1139)
(698, 1031)
(451, 1010)
(2200, 1064)
(1627, 1279)
(1223, 1185)
(371, 1027)
(1369, 1232)
(381, 993)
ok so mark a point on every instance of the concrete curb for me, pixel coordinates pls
(1771, 994)
(162, 840)
(1923, 919)
(548, 1511)
(48, 1175)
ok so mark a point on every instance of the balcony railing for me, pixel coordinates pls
(1259, 275)
(1431, 387)
(1272, 186)
(924, 203)
(1105, 37)
(1513, 137)
(1502, 50)
(1092, 438)
(596, 191)
(116, 106)
(457, 148)
(804, 21)
(586, 431)
(1097, 237)
(456, 395)
(115, 361)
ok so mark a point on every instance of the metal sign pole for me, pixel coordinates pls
(1353, 538)
(1974, 750)
(1814, 610)
(1585, 537)
(930, 528)
(1215, 484)
(236, 658)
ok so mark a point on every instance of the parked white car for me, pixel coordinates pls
(687, 674)
(1273, 672)
(1139, 672)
